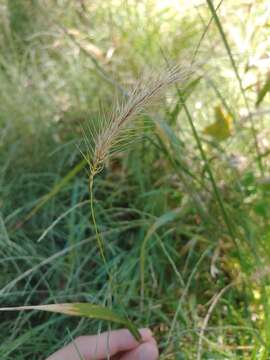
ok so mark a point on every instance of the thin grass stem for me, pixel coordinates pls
(238, 77)
(98, 237)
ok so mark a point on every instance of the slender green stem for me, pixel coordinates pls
(99, 239)
(227, 47)
(209, 172)
(207, 166)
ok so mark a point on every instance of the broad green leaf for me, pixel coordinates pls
(83, 310)
(221, 129)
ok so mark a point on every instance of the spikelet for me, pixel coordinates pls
(119, 128)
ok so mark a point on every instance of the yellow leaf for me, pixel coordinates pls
(221, 129)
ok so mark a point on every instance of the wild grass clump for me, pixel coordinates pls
(121, 127)
(181, 216)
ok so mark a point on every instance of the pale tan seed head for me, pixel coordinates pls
(117, 128)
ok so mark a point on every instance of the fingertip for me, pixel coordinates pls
(148, 351)
(145, 351)
(146, 334)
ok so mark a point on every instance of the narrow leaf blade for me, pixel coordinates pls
(83, 310)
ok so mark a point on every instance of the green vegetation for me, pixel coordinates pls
(181, 214)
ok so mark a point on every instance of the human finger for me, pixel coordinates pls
(100, 346)
(145, 351)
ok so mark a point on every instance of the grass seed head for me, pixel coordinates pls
(118, 129)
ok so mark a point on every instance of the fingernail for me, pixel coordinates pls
(146, 334)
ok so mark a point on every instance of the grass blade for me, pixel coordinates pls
(54, 191)
(264, 90)
(161, 221)
(238, 77)
(83, 310)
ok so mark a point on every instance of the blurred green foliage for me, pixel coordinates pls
(21, 17)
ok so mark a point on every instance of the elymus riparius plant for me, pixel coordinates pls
(114, 132)
(108, 136)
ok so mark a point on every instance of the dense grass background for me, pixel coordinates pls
(199, 204)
